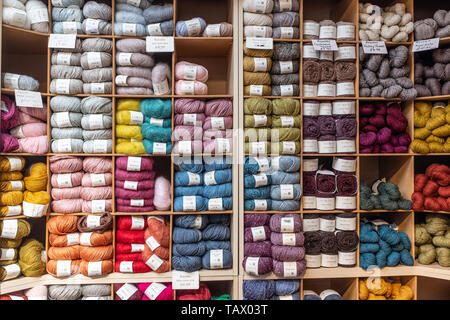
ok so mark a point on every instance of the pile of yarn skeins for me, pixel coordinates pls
(436, 27)
(432, 240)
(31, 14)
(382, 195)
(432, 72)
(271, 289)
(432, 189)
(384, 289)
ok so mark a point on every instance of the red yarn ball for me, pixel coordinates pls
(432, 204)
(420, 180)
(417, 201)
(430, 188)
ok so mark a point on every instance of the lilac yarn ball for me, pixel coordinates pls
(248, 234)
(276, 221)
(278, 268)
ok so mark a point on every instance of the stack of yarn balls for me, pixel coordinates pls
(329, 127)
(139, 72)
(381, 245)
(190, 79)
(330, 240)
(129, 18)
(271, 289)
(26, 14)
(79, 292)
(273, 243)
(436, 27)
(97, 18)
(272, 126)
(157, 241)
(432, 240)
(432, 73)
(389, 24)
(327, 294)
(431, 127)
(66, 71)
(382, 128)
(81, 185)
(23, 129)
(329, 30)
(381, 289)
(67, 16)
(14, 81)
(201, 242)
(21, 195)
(80, 245)
(285, 77)
(386, 76)
(144, 126)
(382, 195)
(432, 189)
(330, 189)
(159, 19)
(199, 120)
(272, 183)
(135, 184)
(143, 291)
(203, 186)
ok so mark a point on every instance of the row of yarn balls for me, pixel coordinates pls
(436, 27)
(383, 128)
(26, 14)
(62, 292)
(432, 189)
(23, 129)
(21, 194)
(20, 254)
(432, 72)
(271, 289)
(381, 245)
(80, 244)
(380, 289)
(382, 195)
(431, 127)
(432, 240)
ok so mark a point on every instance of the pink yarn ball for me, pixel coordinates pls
(121, 208)
(26, 119)
(96, 193)
(86, 181)
(366, 109)
(368, 128)
(65, 164)
(185, 119)
(146, 163)
(201, 73)
(219, 108)
(10, 117)
(380, 108)
(127, 202)
(37, 145)
(66, 193)
(227, 123)
(67, 206)
(387, 148)
(134, 176)
(87, 206)
(141, 185)
(377, 120)
(36, 293)
(383, 135)
(214, 146)
(189, 105)
(97, 164)
(8, 143)
(166, 294)
(162, 194)
(200, 88)
(214, 134)
(30, 130)
(39, 113)
(131, 194)
(75, 179)
(187, 133)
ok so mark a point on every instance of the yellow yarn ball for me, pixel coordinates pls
(376, 297)
(427, 254)
(442, 131)
(3, 273)
(11, 198)
(404, 293)
(8, 164)
(30, 258)
(8, 186)
(23, 228)
(433, 138)
(124, 117)
(128, 104)
(436, 147)
(36, 177)
(11, 176)
(129, 132)
(363, 290)
(377, 286)
(442, 241)
(419, 146)
(421, 133)
(39, 197)
(422, 112)
(10, 243)
(421, 235)
(130, 148)
(436, 121)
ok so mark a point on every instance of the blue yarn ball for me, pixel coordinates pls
(216, 177)
(388, 234)
(258, 289)
(214, 245)
(129, 17)
(406, 258)
(185, 178)
(368, 247)
(189, 249)
(148, 145)
(331, 295)
(216, 232)
(285, 163)
(257, 193)
(275, 192)
(220, 219)
(249, 205)
(367, 234)
(310, 295)
(294, 296)
(227, 203)
(286, 287)
(217, 163)
(227, 259)
(366, 260)
(181, 29)
(155, 133)
(280, 177)
(384, 246)
(381, 257)
(183, 235)
(250, 180)
(201, 204)
(398, 247)
(189, 191)
(405, 240)
(194, 165)
(140, 29)
(393, 259)
(285, 205)
(186, 263)
(218, 191)
(251, 166)
(191, 221)
(157, 108)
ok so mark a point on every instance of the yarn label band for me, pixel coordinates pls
(185, 147)
(100, 146)
(85, 239)
(128, 29)
(324, 45)
(95, 121)
(98, 206)
(64, 180)
(154, 262)
(325, 203)
(215, 204)
(209, 178)
(325, 109)
(343, 107)
(309, 52)
(63, 58)
(213, 30)
(223, 145)
(310, 145)
(98, 87)
(345, 165)
(193, 27)
(126, 291)
(424, 45)
(346, 88)
(311, 28)
(94, 268)
(326, 55)
(288, 239)
(287, 224)
(311, 109)
(260, 180)
(258, 147)
(310, 90)
(286, 67)
(287, 191)
(256, 90)
(152, 243)
(9, 230)
(185, 280)
(194, 178)
(345, 146)
(155, 121)
(217, 123)
(62, 86)
(126, 266)
(260, 6)
(135, 3)
(11, 80)
(92, 26)
(329, 260)
(137, 223)
(288, 147)
(327, 146)
(93, 221)
(287, 32)
(263, 163)
(288, 297)
(327, 32)
(187, 87)
(197, 222)
(260, 64)
(260, 120)
(326, 90)
(347, 258)
(136, 117)
(258, 233)
(137, 202)
(311, 225)
(125, 58)
(257, 31)
(189, 203)
(62, 41)
(34, 209)
(216, 259)
(287, 90)
(130, 185)
(327, 225)
(346, 31)
(62, 119)
(159, 148)
(251, 266)
(344, 203)
(63, 268)
(189, 119)
(7, 254)
(15, 164)
(154, 290)
(345, 53)
(260, 205)
(289, 269)
(136, 247)
(259, 43)
(154, 29)
(69, 27)
(64, 145)
(12, 271)
(285, 5)
(346, 224)
(159, 44)
(121, 80)
(14, 211)
(325, 293)
(98, 179)
(18, 16)
(287, 121)
(134, 163)
(190, 73)
(374, 47)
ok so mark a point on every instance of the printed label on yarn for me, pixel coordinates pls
(154, 29)
(288, 239)
(15, 164)
(193, 27)
(62, 86)
(287, 121)
(92, 26)
(64, 180)
(85, 238)
(346, 224)
(258, 31)
(327, 32)
(194, 178)
(161, 88)
(197, 222)
(121, 80)
(287, 224)
(325, 203)
(310, 145)
(125, 59)
(62, 119)
(345, 53)
(189, 119)
(159, 44)
(311, 109)
(215, 204)
(327, 225)
(251, 266)
(223, 145)
(259, 43)
(217, 123)
(325, 45)
(325, 109)
(345, 165)
(63, 268)
(424, 45)
(309, 52)
(12, 271)
(130, 185)
(258, 233)
(327, 146)
(154, 290)
(345, 146)
(11, 80)
(63, 145)
(94, 268)
(137, 202)
(137, 117)
(260, 6)
(14, 211)
(329, 260)
(325, 293)
(33, 209)
(326, 55)
(310, 90)
(185, 280)
(154, 262)
(128, 29)
(260, 205)
(288, 297)
(286, 67)
(216, 259)
(152, 243)
(287, 191)
(285, 5)
(260, 180)
(156, 122)
(347, 258)
(134, 163)
(289, 269)
(137, 223)
(98, 206)
(7, 254)
(345, 31)
(135, 3)
(94, 60)
(69, 27)
(310, 165)
(190, 73)
(345, 88)
(345, 203)
(100, 146)
(260, 120)
(326, 90)
(126, 266)
(310, 225)
(313, 261)
(185, 147)
(374, 47)
(30, 99)
(286, 90)
(187, 87)
(213, 30)
(260, 64)
(257, 147)
(93, 221)
(98, 87)
(286, 32)
(159, 148)
(98, 179)
(209, 178)
(263, 164)
(126, 291)
(189, 203)
(9, 230)
(95, 121)
(311, 28)
(62, 41)
(136, 247)
(256, 90)
(343, 107)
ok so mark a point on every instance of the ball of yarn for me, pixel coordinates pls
(190, 28)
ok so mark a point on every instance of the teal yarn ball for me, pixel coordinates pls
(367, 234)
(188, 191)
(156, 108)
(155, 133)
(393, 259)
(249, 205)
(366, 260)
(149, 145)
(257, 193)
(368, 247)
(218, 191)
(285, 205)
(250, 180)
(165, 123)
(388, 234)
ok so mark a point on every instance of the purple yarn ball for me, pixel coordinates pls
(287, 253)
(275, 222)
(367, 139)
(256, 219)
(258, 249)
(277, 239)
(265, 265)
(384, 135)
(387, 148)
(248, 235)
(278, 268)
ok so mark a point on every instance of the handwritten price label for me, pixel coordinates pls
(159, 44)
(374, 47)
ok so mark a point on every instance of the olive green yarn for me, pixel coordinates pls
(257, 106)
(249, 121)
(286, 107)
(276, 122)
(277, 148)
(427, 254)
(257, 134)
(436, 225)
(421, 235)
(285, 134)
(248, 150)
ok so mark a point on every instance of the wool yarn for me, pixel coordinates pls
(381, 289)
(437, 26)
(30, 258)
(126, 291)
(430, 189)
(430, 73)
(19, 82)
(382, 196)
(190, 28)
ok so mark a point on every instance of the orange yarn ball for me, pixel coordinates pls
(52, 267)
(61, 225)
(107, 267)
(148, 253)
(96, 253)
(64, 253)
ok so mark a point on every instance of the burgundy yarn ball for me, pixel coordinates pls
(309, 185)
(326, 183)
(276, 219)
(346, 127)
(367, 139)
(366, 109)
(258, 249)
(277, 239)
(256, 219)
(396, 120)
(377, 120)
(327, 125)
(248, 235)
(310, 128)
(384, 135)
(265, 265)
(287, 253)
(363, 121)
(380, 108)
(278, 268)
(369, 128)
(347, 184)
(387, 148)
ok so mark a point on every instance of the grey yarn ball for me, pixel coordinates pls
(295, 6)
(441, 55)
(400, 72)
(65, 72)
(398, 56)
(286, 51)
(78, 48)
(73, 119)
(384, 70)
(277, 33)
(64, 292)
(97, 87)
(101, 134)
(76, 145)
(163, 28)
(97, 10)
(276, 90)
(93, 104)
(24, 83)
(58, 27)
(284, 79)
(67, 133)
(128, 7)
(136, 59)
(98, 75)
(370, 77)
(376, 91)
(408, 94)
(87, 122)
(158, 13)
(140, 30)
(67, 3)
(374, 62)
(422, 90)
(97, 45)
(434, 85)
(67, 14)
(388, 82)
(74, 59)
(65, 103)
(93, 146)
(105, 59)
(425, 29)
(75, 86)
(286, 19)
(131, 45)
(101, 27)
(136, 82)
(446, 88)
(392, 92)
(135, 72)
(443, 32)
(143, 4)
(442, 18)
(128, 17)
(364, 92)
(404, 82)
(276, 68)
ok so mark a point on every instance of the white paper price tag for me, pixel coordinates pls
(185, 280)
(260, 43)
(31, 99)
(159, 44)
(325, 45)
(374, 47)
(424, 45)
(62, 41)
